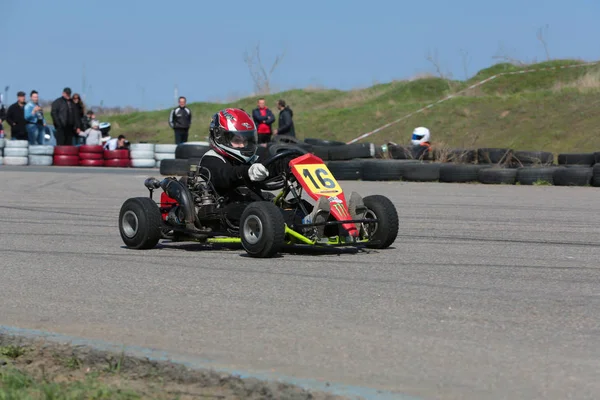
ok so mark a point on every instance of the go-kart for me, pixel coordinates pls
(190, 209)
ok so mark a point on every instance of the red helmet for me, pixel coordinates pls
(232, 134)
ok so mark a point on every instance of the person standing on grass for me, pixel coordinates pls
(35, 121)
(263, 118)
(15, 116)
(180, 121)
(286, 123)
(63, 115)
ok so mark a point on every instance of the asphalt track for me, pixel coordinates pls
(489, 291)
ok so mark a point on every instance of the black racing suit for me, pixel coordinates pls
(227, 177)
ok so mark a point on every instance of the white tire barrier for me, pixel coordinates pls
(16, 143)
(165, 148)
(158, 164)
(43, 160)
(141, 154)
(41, 150)
(142, 147)
(164, 156)
(1, 160)
(2, 143)
(143, 163)
(16, 160)
(16, 152)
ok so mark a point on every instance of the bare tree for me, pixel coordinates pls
(258, 72)
(502, 54)
(465, 62)
(433, 59)
(542, 38)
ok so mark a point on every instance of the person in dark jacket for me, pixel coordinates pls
(286, 123)
(180, 121)
(64, 117)
(263, 118)
(15, 116)
(79, 114)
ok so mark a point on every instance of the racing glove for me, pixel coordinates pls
(257, 172)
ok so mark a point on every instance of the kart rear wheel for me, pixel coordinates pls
(262, 229)
(140, 223)
(384, 232)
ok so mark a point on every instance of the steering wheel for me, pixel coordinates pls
(283, 153)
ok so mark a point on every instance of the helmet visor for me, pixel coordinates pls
(245, 142)
(417, 137)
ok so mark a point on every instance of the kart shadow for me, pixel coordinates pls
(286, 250)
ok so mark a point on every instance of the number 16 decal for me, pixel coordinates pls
(320, 172)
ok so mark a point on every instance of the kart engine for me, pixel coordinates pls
(197, 200)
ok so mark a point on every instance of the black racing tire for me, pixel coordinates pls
(573, 176)
(351, 151)
(284, 139)
(535, 175)
(540, 158)
(191, 150)
(498, 176)
(596, 175)
(385, 170)
(350, 170)
(262, 229)
(494, 156)
(587, 159)
(140, 223)
(386, 229)
(279, 147)
(321, 151)
(421, 172)
(322, 142)
(460, 173)
(174, 167)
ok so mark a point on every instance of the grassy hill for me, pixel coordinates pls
(556, 110)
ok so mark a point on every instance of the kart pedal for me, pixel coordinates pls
(319, 214)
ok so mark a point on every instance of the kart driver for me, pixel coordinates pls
(421, 141)
(231, 161)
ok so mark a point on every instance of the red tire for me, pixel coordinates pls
(91, 149)
(91, 163)
(112, 154)
(66, 150)
(63, 160)
(91, 156)
(118, 163)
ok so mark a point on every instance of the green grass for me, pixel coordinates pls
(557, 111)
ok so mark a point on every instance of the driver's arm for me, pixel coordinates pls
(225, 176)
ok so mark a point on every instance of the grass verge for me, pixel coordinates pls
(46, 370)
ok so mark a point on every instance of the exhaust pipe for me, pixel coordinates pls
(176, 190)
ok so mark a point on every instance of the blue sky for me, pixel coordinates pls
(135, 51)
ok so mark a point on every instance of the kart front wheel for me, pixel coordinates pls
(262, 229)
(140, 223)
(382, 233)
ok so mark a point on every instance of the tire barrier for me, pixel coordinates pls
(91, 156)
(142, 155)
(164, 152)
(191, 150)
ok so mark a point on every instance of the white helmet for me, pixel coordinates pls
(420, 135)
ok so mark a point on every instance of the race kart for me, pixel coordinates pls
(190, 209)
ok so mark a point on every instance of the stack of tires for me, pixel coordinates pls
(142, 155)
(185, 154)
(91, 156)
(164, 152)
(66, 156)
(117, 158)
(41, 155)
(16, 152)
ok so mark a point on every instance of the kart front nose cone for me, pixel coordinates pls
(252, 230)
(130, 224)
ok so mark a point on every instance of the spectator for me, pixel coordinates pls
(64, 114)
(286, 123)
(92, 135)
(117, 144)
(86, 121)
(180, 121)
(421, 143)
(16, 118)
(79, 113)
(35, 121)
(263, 118)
